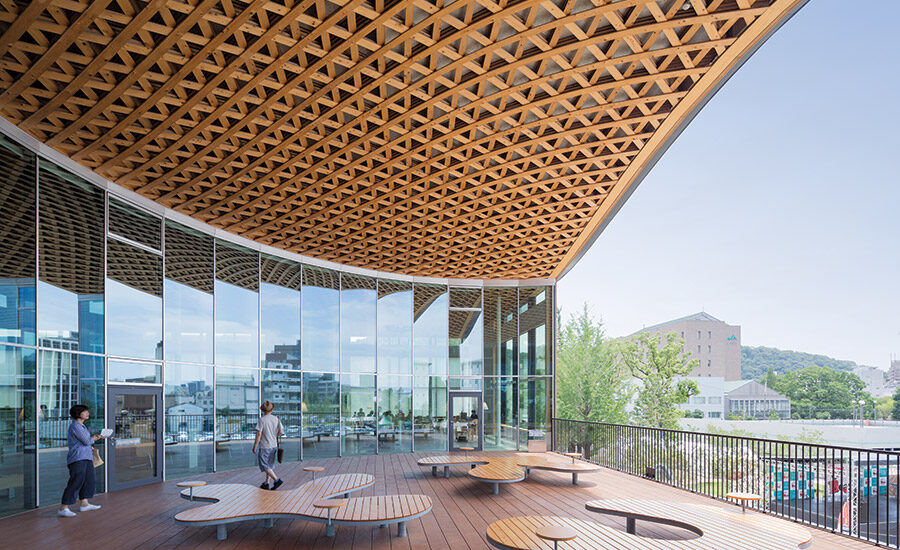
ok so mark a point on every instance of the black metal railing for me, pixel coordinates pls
(851, 491)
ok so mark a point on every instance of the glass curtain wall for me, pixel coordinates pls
(237, 306)
(320, 320)
(535, 328)
(17, 424)
(189, 420)
(430, 367)
(358, 414)
(466, 339)
(321, 415)
(358, 313)
(237, 411)
(188, 288)
(283, 389)
(500, 355)
(394, 366)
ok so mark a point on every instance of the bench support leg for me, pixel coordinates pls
(382, 526)
(329, 530)
(221, 531)
(434, 471)
(527, 471)
(629, 525)
(268, 522)
(496, 488)
(473, 466)
(346, 495)
(401, 529)
(447, 471)
(574, 478)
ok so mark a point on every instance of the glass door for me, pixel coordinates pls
(135, 448)
(465, 420)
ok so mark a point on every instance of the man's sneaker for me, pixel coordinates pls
(278, 483)
(66, 513)
(90, 507)
(264, 485)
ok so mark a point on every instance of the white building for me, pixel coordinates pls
(711, 397)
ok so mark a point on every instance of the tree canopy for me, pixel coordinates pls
(590, 384)
(756, 361)
(823, 389)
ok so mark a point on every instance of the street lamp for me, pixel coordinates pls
(861, 403)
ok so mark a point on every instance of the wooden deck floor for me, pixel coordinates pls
(142, 518)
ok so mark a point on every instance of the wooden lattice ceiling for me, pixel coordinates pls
(470, 139)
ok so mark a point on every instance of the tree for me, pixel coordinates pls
(895, 413)
(658, 362)
(813, 388)
(770, 377)
(590, 384)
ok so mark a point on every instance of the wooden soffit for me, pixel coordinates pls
(467, 139)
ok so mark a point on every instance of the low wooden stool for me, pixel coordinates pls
(573, 455)
(467, 449)
(328, 504)
(314, 469)
(743, 497)
(556, 533)
(191, 485)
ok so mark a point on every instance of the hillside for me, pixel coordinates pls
(755, 361)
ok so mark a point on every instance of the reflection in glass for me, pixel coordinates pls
(430, 330)
(279, 299)
(430, 413)
(466, 344)
(500, 430)
(358, 299)
(358, 414)
(394, 327)
(321, 417)
(123, 372)
(464, 420)
(188, 295)
(320, 320)
(237, 410)
(134, 288)
(134, 224)
(282, 389)
(534, 409)
(237, 306)
(469, 298)
(189, 427)
(534, 333)
(135, 437)
(17, 420)
(71, 237)
(500, 331)
(66, 379)
(18, 233)
(394, 413)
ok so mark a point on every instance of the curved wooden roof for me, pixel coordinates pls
(466, 139)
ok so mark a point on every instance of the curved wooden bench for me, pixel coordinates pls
(541, 463)
(496, 472)
(235, 503)
(450, 460)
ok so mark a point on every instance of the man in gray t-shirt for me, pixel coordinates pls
(268, 429)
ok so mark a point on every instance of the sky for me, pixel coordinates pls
(778, 207)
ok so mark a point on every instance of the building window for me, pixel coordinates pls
(709, 334)
(709, 349)
(709, 363)
(715, 415)
(715, 400)
(698, 335)
(698, 349)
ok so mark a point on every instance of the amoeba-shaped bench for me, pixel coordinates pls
(234, 503)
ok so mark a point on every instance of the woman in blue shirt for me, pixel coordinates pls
(81, 464)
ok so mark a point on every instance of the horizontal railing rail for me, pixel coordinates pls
(846, 490)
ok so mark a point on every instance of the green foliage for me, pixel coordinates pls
(773, 415)
(590, 383)
(696, 413)
(658, 362)
(756, 362)
(813, 388)
(895, 413)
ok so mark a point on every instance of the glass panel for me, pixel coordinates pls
(500, 398)
(464, 421)
(17, 469)
(282, 389)
(18, 242)
(465, 297)
(466, 343)
(237, 306)
(534, 410)
(321, 417)
(358, 299)
(534, 330)
(71, 237)
(358, 414)
(473, 384)
(394, 327)
(188, 295)
(66, 379)
(237, 410)
(134, 288)
(430, 330)
(500, 331)
(394, 413)
(320, 321)
(430, 413)
(135, 437)
(189, 420)
(134, 373)
(279, 298)
(135, 224)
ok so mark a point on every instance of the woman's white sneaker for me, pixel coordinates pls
(89, 507)
(66, 513)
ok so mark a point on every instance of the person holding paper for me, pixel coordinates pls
(80, 461)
